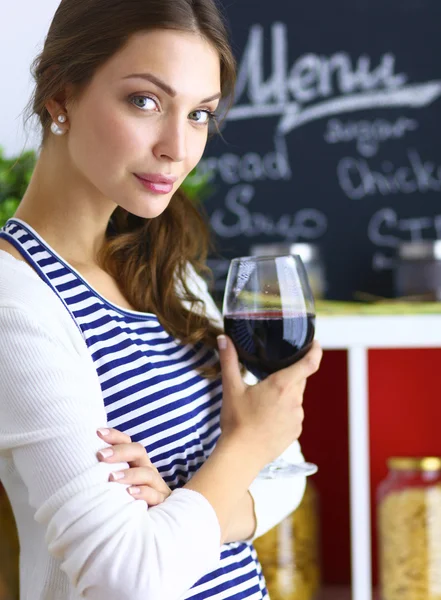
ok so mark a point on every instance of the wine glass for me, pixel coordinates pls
(269, 314)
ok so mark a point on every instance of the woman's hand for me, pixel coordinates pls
(268, 415)
(143, 478)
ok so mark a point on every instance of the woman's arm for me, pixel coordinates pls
(268, 501)
(243, 522)
(108, 544)
(147, 484)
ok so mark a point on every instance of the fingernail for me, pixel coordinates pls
(106, 453)
(103, 431)
(134, 491)
(221, 342)
(116, 476)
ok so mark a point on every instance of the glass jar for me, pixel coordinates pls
(417, 272)
(409, 529)
(289, 553)
(9, 550)
(311, 258)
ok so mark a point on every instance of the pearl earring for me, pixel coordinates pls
(56, 130)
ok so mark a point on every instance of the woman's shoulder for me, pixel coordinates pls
(5, 246)
(18, 280)
(22, 289)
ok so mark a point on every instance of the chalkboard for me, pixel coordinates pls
(334, 137)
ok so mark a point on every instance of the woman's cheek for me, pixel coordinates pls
(197, 150)
(124, 136)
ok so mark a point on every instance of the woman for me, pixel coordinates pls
(106, 326)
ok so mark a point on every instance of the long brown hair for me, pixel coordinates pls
(148, 258)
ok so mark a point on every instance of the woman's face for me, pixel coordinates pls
(141, 125)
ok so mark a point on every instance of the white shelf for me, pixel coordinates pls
(357, 334)
(379, 331)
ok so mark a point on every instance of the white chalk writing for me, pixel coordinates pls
(237, 219)
(386, 230)
(358, 179)
(249, 167)
(358, 85)
(368, 135)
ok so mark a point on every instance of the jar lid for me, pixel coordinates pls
(409, 463)
(307, 252)
(421, 250)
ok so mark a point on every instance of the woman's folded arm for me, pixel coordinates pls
(110, 546)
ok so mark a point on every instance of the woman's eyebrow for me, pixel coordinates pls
(164, 86)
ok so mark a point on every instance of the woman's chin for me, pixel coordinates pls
(148, 208)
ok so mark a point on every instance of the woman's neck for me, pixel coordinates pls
(64, 210)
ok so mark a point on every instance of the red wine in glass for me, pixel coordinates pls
(269, 341)
(269, 314)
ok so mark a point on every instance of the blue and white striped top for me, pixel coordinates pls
(152, 392)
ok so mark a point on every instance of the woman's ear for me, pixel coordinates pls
(54, 108)
(60, 103)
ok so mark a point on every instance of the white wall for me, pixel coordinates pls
(23, 27)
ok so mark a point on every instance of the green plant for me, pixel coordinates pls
(15, 175)
(197, 187)
(16, 172)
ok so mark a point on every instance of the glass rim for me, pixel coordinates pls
(265, 257)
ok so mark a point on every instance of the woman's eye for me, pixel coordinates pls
(201, 117)
(144, 102)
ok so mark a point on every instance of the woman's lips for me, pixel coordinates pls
(158, 187)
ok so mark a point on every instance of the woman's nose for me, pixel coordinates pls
(171, 141)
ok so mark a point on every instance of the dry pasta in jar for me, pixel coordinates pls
(409, 530)
(9, 551)
(289, 553)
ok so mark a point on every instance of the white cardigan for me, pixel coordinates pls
(82, 536)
